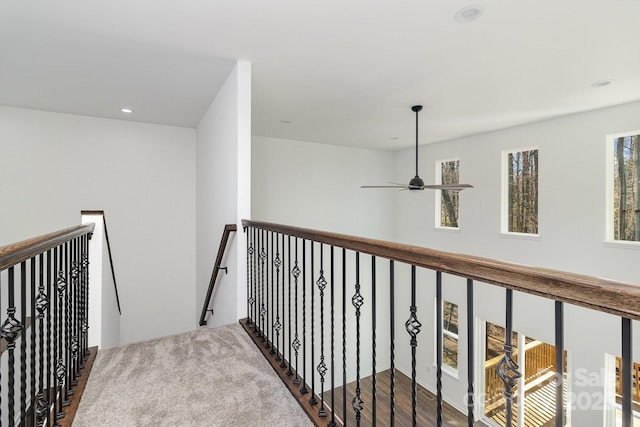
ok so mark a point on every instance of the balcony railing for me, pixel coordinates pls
(44, 290)
(329, 310)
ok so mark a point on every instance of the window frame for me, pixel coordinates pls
(445, 367)
(504, 192)
(609, 238)
(438, 194)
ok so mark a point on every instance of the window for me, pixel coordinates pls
(447, 202)
(520, 192)
(450, 334)
(624, 209)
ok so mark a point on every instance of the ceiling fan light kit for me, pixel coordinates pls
(416, 183)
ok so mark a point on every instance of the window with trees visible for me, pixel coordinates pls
(521, 192)
(626, 187)
(450, 334)
(447, 202)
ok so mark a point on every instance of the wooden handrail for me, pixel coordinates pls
(618, 298)
(223, 244)
(16, 253)
(106, 236)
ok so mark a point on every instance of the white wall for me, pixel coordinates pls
(571, 224)
(224, 194)
(52, 166)
(318, 186)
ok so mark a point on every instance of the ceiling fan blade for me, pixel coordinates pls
(449, 187)
(383, 186)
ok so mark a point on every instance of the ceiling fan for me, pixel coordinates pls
(416, 182)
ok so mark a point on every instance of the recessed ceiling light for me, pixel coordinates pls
(601, 83)
(285, 121)
(469, 13)
(126, 110)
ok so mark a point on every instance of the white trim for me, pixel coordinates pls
(609, 184)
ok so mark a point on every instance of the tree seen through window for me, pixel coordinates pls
(626, 188)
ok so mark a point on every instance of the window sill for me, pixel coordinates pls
(621, 244)
(448, 229)
(521, 236)
(450, 371)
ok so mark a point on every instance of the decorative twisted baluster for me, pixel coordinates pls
(277, 263)
(289, 371)
(250, 299)
(470, 354)
(373, 340)
(392, 346)
(268, 343)
(344, 335)
(357, 300)
(332, 423)
(321, 283)
(10, 330)
(41, 305)
(507, 368)
(312, 399)
(413, 326)
(263, 310)
(61, 284)
(439, 348)
(85, 299)
(296, 341)
(303, 389)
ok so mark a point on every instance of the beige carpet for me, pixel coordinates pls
(209, 377)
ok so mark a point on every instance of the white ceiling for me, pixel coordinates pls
(342, 72)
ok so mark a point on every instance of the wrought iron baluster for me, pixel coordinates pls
(23, 340)
(296, 340)
(626, 376)
(289, 371)
(10, 330)
(507, 368)
(269, 343)
(85, 298)
(373, 340)
(67, 327)
(263, 310)
(249, 271)
(332, 423)
(344, 336)
(303, 389)
(255, 281)
(559, 323)
(413, 326)
(51, 268)
(283, 363)
(357, 300)
(41, 305)
(32, 349)
(470, 354)
(251, 251)
(312, 399)
(60, 367)
(392, 346)
(322, 366)
(74, 291)
(277, 263)
(438, 348)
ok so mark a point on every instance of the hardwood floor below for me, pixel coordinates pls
(426, 403)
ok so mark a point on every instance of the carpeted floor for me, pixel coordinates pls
(209, 377)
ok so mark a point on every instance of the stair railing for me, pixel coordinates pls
(44, 283)
(214, 275)
(304, 285)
